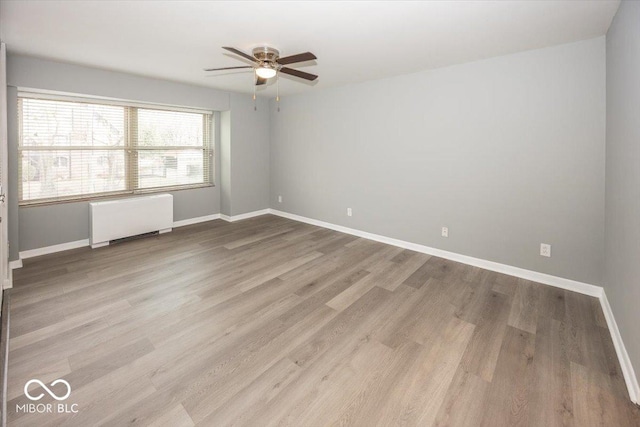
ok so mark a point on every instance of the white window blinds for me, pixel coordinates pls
(75, 149)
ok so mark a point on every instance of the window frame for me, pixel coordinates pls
(130, 148)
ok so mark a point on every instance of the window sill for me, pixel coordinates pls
(118, 195)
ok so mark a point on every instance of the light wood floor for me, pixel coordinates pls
(269, 321)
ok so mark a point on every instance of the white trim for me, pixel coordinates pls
(8, 282)
(558, 282)
(196, 220)
(85, 242)
(4, 177)
(250, 215)
(534, 276)
(245, 215)
(54, 248)
(584, 288)
(53, 95)
(623, 357)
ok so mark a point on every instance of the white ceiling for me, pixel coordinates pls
(354, 41)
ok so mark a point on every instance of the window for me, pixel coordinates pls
(77, 149)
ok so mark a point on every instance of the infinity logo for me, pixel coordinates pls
(52, 394)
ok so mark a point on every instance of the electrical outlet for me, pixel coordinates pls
(349, 212)
(545, 249)
(279, 199)
(445, 231)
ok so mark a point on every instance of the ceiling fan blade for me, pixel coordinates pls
(240, 53)
(227, 68)
(298, 73)
(306, 56)
(260, 81)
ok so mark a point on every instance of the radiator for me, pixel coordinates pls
(116, 219)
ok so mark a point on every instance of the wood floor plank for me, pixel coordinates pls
(268, 321)
(415, 399)
(355, 258)
(392, 276)
(472, 298)
(552, 302)
(348, 323)
(551, 396)
(525, 306)
(335, 389)
(481, 356)
(327, 360)
(595, 405)
(274, 272)
(359, 403)
(463, 403)
(91, 372)
(421, 322)
(583, 336)
(507, 400)
(213, 391)
(420, 276)
(44, 372)
(352, 294)
(174, 417)
(444, 269)
(244, 404)
(385, 274)
(322, 296)
(615, 373)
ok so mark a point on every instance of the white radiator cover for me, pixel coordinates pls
(115, 219)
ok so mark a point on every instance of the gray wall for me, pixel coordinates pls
(225, 163)
(622, 224)
(249, 155)
(36, 227)
(12, 194)
(244, 164)
(507, 152)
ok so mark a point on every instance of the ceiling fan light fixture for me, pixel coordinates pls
(265, 73)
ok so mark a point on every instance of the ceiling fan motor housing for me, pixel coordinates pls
(266, 55)
(266, 63)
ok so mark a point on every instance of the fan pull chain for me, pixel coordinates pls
(255, 78)
(278, 92)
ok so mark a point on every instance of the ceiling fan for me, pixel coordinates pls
(267, 63)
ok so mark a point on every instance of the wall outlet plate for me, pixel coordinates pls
(279, 199)
(545, 249)
(445, 231)
(349, 212)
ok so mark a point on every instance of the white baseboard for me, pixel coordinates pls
(53, 249)
(623, 357)
(534, 276)
(558, 282)
(196, 220)
(8, 282)
(85, 242)
(245, 215)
